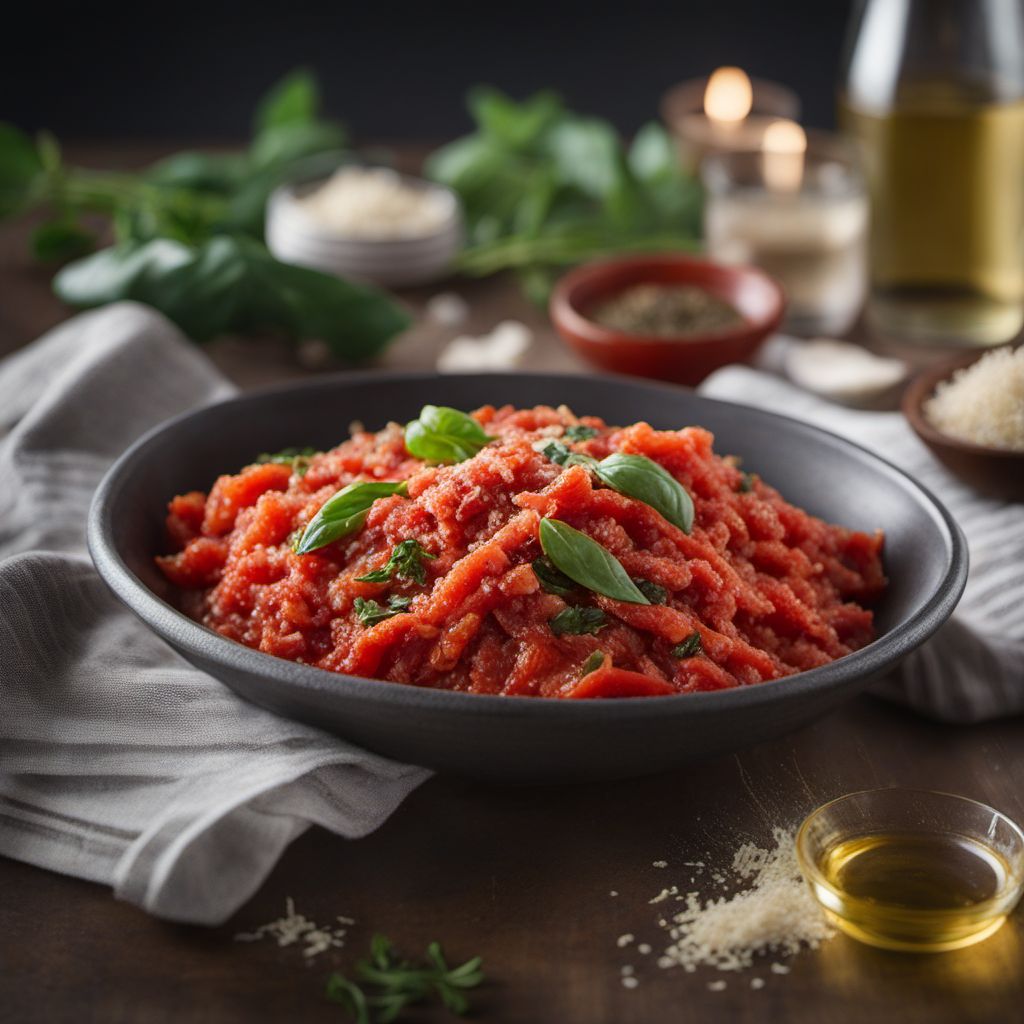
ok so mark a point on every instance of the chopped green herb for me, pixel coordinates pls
(369, 612)
(594, 661)
(689, 647)
(388, 983)
(576, 621)
(746, 484)
(551, 579)
(653, 593)
(406, 562)
(298, 458)
(579, 432)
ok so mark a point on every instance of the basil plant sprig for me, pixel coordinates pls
(344, 513)
(442, 434)
(635, 476)
(588, 563)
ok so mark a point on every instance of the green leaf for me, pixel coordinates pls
(286, 143)
(594, 661)
(297, 458)
(345, 513)
(747, 481)
(294, 99)
(233, 284)
(369, 612)
(639, 477)
(550, 579)
(348, 994)
(21, 170)
(654, 593)
(220, 173)
(578, 621)
(514, 125)
(61, 240)
(445, 435)
(580, 432)
(588, 563)
(690, 647)
(406, 562)
(562, 455)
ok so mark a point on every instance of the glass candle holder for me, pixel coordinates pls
(698, 132)
(800, 216)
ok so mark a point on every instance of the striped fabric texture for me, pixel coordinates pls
(120, 762)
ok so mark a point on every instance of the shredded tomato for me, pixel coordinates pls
(769, 589)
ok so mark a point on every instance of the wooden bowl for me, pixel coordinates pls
(684, 360)
(994, 472)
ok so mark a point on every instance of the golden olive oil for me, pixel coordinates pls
(945, 170)
(914, 890)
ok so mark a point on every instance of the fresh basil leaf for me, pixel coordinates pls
(294, 99)
(233, 284)
(369, 612)
(406, 562)
(21, 170)
(746, 484)
(445, 435)
(345, 513)
(61, 239)
(588, 563)
(562, 455)
(577, 621)
(220, 173)
(580, 432)
(550, 579)
(594, 661)
(513, 125)
(639, 477)
(690, 647)
(654, 593)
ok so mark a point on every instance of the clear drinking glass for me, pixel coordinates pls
(933, 94)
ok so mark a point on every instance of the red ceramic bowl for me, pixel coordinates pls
(685, 360)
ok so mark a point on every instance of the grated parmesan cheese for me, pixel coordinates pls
(774, 912)
(984, 402)
(295, 927)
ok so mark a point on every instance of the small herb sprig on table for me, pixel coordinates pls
(188, 231)
(385, 984)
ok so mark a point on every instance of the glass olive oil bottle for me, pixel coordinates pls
(934, 98)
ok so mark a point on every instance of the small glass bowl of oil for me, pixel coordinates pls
(912, 870)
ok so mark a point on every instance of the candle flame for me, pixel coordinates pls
(785, 143)
(728, 96)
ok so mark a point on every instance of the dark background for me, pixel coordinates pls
(392, 71)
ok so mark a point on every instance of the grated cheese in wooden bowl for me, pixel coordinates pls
(983, 403)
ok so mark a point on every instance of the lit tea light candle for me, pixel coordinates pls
(798, 210)
(727, 111)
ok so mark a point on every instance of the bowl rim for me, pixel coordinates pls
(566, 313)
(812, 874)
(186, 634)
(923, 385)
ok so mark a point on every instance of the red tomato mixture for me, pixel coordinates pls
(768, 589)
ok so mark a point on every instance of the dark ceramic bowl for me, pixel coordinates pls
(687, 359)
(527, 738)
(994, 472)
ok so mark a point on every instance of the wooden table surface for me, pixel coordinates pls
(521, 876)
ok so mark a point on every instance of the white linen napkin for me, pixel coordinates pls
(119, 761)
(973, 668)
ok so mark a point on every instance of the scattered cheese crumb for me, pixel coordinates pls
(757, 982)
(716, 986)
(613, 893)
(660, 864)
(502, 349)
(624, 940)
(644, 948)
(984, 402)
(779, 969)
(447, 309)
(294, 927)
(627, 969)
(630, 982)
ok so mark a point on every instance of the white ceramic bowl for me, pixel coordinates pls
(294, 236)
